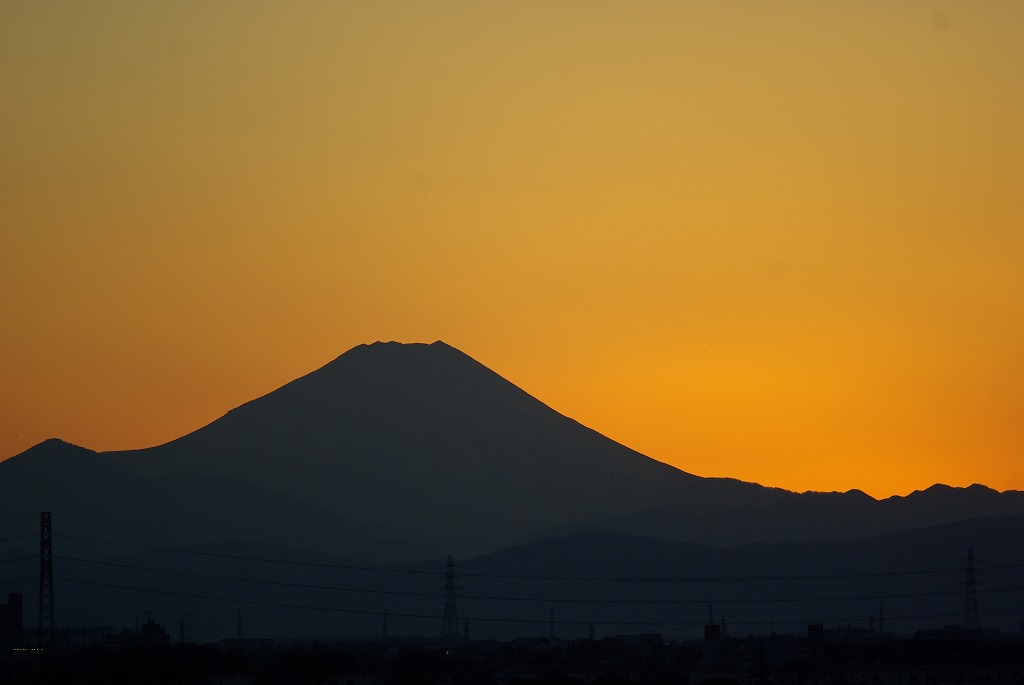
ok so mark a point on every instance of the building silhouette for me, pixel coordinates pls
(12, 623)
(149, 634)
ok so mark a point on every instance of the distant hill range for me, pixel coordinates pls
(393, 446)
(331, 501)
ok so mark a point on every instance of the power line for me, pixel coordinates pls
(20, 580)
(218, 555)
(17, 517)
(506, 598)
(377, 569)
(491, 619)
(505, 576)
(813, 545)
(344, 541)
(239, 601)
(11, 561)
(235, 579)
(20, 537)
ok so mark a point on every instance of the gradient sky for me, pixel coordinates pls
(782, 242)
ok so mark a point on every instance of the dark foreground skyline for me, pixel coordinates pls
(583, 584)
(948, 656)
(319, 508)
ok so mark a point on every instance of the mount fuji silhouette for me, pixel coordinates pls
(423, 440)
(415, 443)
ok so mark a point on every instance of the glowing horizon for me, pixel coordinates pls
(776, 243)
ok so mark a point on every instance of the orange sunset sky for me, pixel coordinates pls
(782, 242)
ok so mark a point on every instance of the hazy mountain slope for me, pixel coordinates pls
(89, 495)
(423, 437)
(402, 445)
(619, 583)
(915, 577)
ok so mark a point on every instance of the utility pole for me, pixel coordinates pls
(450, 625)
(47, 626)
(971, 594)
(186, 629)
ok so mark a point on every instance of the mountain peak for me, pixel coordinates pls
(393, 348)
(416, 442)
(55, 447)
(386, 363)
(414, 435)
(394, 344)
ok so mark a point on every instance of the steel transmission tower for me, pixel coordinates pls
(970, 594)
(47, 627)
(185, 630)
(450, 626)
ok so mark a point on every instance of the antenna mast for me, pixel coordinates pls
(450, 625)
(971, 594)
(47, 627)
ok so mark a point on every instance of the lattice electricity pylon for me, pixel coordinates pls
(970, 594)
(47, 627)
(450, 625)
(185, 630)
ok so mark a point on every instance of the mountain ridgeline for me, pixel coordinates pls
(332, 500)
(414, 443)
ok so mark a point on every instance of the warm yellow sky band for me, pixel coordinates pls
(782, 242)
